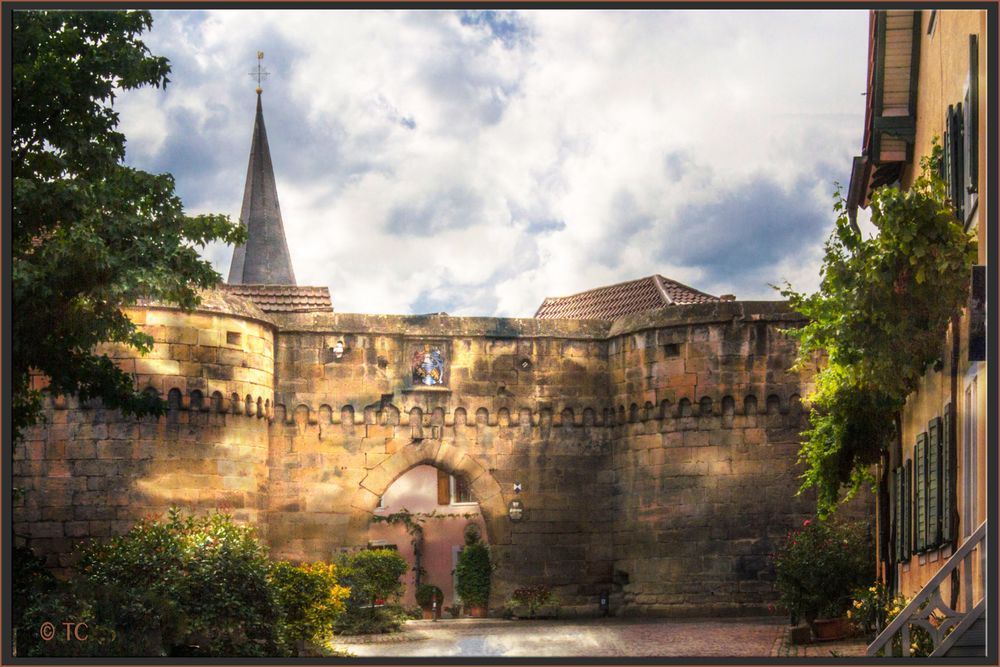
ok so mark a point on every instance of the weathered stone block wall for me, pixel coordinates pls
(90, 472)
(520, 403)
(705, 444)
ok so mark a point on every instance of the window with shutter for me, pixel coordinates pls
(948, 499)
(920, 495)
(460, 490)
(971, 124)
(897, 512)
(955, 148)
(934, 483)
(908, 510)
(444, 488)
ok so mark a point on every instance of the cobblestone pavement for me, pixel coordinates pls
(585, 637)
(855, 646)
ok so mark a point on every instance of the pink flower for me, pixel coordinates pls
(806, 522)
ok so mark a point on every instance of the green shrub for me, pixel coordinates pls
(820, 565)
(373, 577)
(473, 573)
(372, 621)
(189, 586)
(425, 595)
(311, 599)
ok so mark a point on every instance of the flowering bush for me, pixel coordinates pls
(868, 611)
(532, 597)
(820, 564)
(187, 586)
(921, 644)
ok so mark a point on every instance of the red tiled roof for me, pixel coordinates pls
(285, 298)
(613, 301)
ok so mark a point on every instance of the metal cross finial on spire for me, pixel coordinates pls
(260, 73)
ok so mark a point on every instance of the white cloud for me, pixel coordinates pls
(480, 166)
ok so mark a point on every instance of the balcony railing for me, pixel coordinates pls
(927, 610)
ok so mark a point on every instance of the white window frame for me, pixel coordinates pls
(453, 494)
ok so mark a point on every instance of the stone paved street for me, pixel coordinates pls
(583, 637)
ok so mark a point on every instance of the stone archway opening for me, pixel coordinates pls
(440, 508)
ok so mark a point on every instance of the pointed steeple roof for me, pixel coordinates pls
(264, 259)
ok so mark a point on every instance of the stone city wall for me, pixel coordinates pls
(656, 455)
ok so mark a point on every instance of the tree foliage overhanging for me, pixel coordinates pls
(880, 319)
(90, 234)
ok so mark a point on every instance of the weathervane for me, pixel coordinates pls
(260, 73)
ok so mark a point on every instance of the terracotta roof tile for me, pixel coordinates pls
(285, 298)
(613, 301)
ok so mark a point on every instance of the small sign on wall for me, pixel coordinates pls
(515, 510)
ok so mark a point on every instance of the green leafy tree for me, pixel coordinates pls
(374, 575)
(879, 318)
(89, 234)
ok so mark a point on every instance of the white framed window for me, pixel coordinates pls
(461, 493)
(970, 447)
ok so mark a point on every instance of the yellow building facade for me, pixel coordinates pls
(926, 84)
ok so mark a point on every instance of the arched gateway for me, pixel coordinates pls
(452, 459)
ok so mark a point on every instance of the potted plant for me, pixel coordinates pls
(473, 575)
(817, 568)
(427, 595)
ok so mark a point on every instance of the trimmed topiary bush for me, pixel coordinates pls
(425, 595)
(473, 573)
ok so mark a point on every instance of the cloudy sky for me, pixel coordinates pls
(476, 162)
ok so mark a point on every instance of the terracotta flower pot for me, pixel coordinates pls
(828, 629)
(428, 613)
(477, 612)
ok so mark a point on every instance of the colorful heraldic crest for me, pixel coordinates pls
(428, 366)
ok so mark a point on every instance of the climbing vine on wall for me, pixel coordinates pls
(879, 317)
(413, 523)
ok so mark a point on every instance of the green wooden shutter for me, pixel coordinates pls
(920, 495)
(948, 502)
(956, 148)
(897, 512)
(971, 122)
(934, 483)
(908, 510)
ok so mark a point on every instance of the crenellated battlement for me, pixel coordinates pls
(685, 411)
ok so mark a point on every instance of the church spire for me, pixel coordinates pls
(264, 259)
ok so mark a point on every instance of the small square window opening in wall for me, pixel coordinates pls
(234, 338)
(461, 493)
(672, 350)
